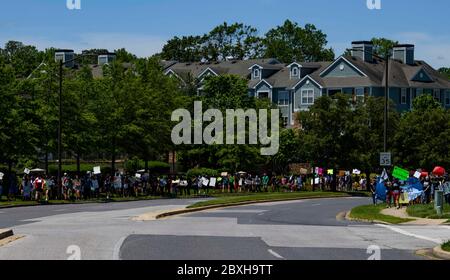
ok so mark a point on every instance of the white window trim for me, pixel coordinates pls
(269, 93)
(307, 97)
(438, 92)
(283, 105)
(403, 93)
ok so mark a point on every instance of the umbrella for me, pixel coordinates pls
(439, 171)
(37, 170)
(141, 171)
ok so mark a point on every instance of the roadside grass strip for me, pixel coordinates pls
(372, 213)
(446, 246)
(427, 211)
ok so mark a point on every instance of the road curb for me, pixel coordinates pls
(349, 218)
(5, 233)
(440, 253)
(200, 209)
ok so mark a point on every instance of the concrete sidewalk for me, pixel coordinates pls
(401, 213)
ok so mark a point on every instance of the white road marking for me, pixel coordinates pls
(316, 204)
(404, 232)
(116, 253)
(261, 214)
(60, 210)
(275, 254)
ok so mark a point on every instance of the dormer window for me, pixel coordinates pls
(295, 72)
(257, 73)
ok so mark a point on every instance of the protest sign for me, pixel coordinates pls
(27, 171)
(97, 170)
(138, 176)
(417, 175)
(212, 182)
(356, 172)
(303, 171)
(205, 182)
(400, 173)
(1, 175)
(330, 172)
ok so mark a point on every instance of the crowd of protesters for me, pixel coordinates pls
(397, 192)
(95, 186)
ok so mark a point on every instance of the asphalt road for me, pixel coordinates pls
(299, 230)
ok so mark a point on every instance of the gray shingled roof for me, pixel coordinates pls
(400, 74)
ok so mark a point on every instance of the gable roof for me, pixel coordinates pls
(347, 61)
(307, 77)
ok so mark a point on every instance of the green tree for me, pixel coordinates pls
(423, 136)
(445, 71)
(383, 46)
(184, 49)
(291, 42)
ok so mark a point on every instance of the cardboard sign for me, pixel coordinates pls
(417, 175)
(97, 170)
(205, 182)
(400, 173)
(27, 171)
(212, 182)
(303, 171)
(356, 172)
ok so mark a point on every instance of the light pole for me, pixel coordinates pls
(386, 60)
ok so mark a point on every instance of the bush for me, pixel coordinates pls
(84, 168)
(202, 172)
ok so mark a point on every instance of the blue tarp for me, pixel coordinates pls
(413, 187)
(381, 190)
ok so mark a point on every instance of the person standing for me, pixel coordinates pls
(49, 187)
(12, 187)
(265, 182)
(389, 194)
(373, 190)
(39, 185)
(26, 188)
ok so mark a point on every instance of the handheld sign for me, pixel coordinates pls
(400, 173)
(212, 182)
(97, 170)
(1, 175)
(27, 171)
(138, 176)
(417, 174)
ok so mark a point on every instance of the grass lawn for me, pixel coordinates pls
(372, 213)
(446, 246)
(239, 198)
(427, 211)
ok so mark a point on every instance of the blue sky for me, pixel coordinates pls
(142, 26)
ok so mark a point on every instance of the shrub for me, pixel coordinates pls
(202, 172)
